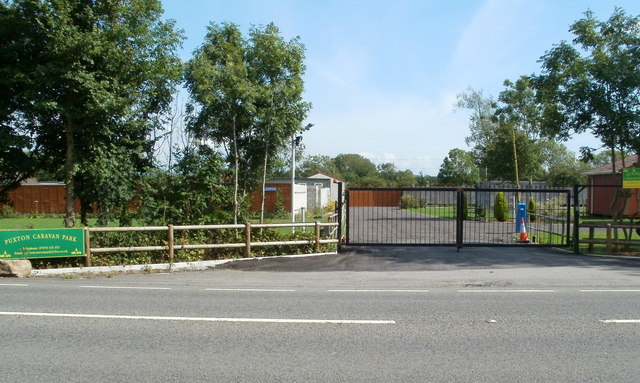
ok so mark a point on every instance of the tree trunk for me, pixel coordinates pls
(69, 218)
(515, 163)
(236, 168)
(264, 182)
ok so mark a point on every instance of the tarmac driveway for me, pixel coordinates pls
(425, 258)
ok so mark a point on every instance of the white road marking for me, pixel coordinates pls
(620, 321)
(505, 291)
(199, 319)
(610, 291)
(377, 291)
(125, 287)
(254, 290)
(14, 284)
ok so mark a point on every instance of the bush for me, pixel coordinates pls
(408, 202)
(7, 212)
(465, 210)
(500, 208)
(279, 209)
(481, 212)
(531, 208)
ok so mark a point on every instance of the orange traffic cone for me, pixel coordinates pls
(524, 238)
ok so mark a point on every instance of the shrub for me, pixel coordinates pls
(531, 207)
(500, 208)
(7, 212)
(279, 209)
(465, 211)
(408, 202)
(481, 212)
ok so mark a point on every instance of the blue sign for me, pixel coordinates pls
(270, 188)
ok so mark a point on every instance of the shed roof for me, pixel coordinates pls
(629, 162)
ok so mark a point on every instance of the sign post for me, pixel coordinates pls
(50, 243)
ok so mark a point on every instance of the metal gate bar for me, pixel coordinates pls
(436, 216)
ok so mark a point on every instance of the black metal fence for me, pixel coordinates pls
(455, 216)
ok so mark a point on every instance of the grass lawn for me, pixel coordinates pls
(23, 223)
(445, 212)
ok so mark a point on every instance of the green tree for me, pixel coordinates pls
(194, 193)
(318, 164)
(246, 97)
(519, 113)
(15, 163)
(500, 150)
(223, 99)
(482, 122)
(562, 167)
(458, 168)
(92, 77)
(276, 67)
(593, 84)
(357, 170)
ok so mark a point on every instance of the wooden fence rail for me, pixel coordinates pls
(611, 230)
(171, 246)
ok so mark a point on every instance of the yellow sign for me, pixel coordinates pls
(631, 178)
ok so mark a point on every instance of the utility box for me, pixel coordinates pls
(521, 216)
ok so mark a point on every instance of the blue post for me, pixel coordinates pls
(521, 213)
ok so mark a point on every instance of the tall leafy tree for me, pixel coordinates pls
(95, 75)
(246, 96)
(223, 97)
(519, 114)
(593, 84)
(15, 163)
(459, 167)
(276, 68)
(482, 122)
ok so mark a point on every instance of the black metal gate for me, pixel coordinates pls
(455, 216)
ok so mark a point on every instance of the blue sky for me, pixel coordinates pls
(383, 75)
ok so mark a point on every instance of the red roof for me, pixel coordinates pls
(629, 162)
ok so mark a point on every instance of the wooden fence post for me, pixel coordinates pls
(170, 240)
(317, 237)
(608, 238)
(87, 247)
(247, 238)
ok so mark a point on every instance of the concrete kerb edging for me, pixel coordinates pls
(179, 266)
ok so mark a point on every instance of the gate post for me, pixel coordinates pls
(339, 208)
(459, 219)
(576, 219)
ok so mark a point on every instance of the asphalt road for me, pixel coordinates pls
(563, 319)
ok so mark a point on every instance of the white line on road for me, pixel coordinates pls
(14, 284)
(198, 319)
(254, 290)
(610, 291)
(125, 287)
(620, 321)
(377, 291)
(505, 291)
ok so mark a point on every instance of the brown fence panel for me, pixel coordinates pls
(378, 197)
(40, 199)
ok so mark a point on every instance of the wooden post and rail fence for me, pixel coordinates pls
(247, 244)
(612, 240)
